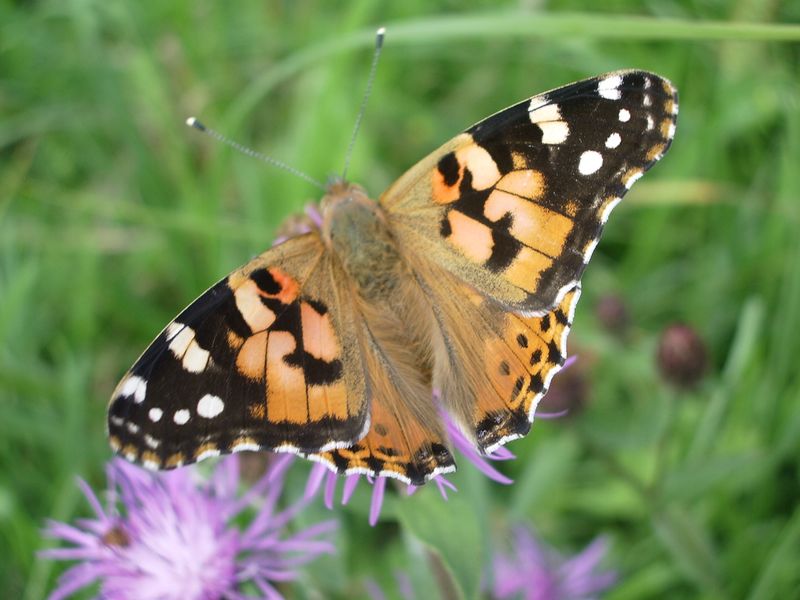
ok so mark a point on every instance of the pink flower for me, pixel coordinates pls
(170, 535)
(533, 571)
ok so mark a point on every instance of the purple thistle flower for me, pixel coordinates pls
(535, 572)
(168, 535)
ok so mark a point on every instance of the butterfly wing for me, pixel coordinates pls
(515, 205)
(265, 359)
(493, 365)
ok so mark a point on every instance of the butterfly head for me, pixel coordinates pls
(345, 209)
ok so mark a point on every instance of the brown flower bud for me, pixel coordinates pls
(569, 392)
(612, 312)
(682, 356)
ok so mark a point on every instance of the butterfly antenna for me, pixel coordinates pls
(379, 35)
(193, 122)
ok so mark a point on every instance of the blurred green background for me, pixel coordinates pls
(114, 215)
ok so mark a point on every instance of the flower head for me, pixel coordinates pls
(535, 572)
(169, 535)
(682, 356)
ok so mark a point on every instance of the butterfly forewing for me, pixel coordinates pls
(515, 205)
(265, 359)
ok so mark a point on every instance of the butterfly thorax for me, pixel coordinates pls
(354, 228)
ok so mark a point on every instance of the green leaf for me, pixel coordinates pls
(451, 530)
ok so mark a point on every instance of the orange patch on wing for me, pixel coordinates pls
(526, 268)
(175, 460)
(481, 166)
(244, 441)
(532, 224)
(655, 152)
(207, 447)
(253, 311)
(527, 184)
(319, 339)
(234, 341)
(442, 193)
(504, 366)
(519, 160)
(665, 127)
(286, 385)
(571, 208)
(474, 239)
(152, 458)
(289, 287)
(251, 359)
(327, 401)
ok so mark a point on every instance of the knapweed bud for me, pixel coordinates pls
(568, 393)
(612, 313)
(682, 356)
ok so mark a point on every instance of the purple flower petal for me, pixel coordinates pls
(536, 572)
(350, 483)
(330, 489)
(175, 536)
(318, 472)
(312, 212)
(378, 489)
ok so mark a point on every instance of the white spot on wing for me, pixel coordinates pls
(155, 414)
(244, 446)
(587, 254)
(184, 346)
(650, 123)
(608, 208)
(671, 132)
(181, 417)
(613, 140)
(608, 88)
(207, 454)
(195, 359)
(132, 427)
(554, 132)
(633, 179)
(548, 117)
(544, 112)
(179, 336)
(590, 162)
(151, 441)
(210, 406)
(624, 115)
(141, 391)
(134, 386)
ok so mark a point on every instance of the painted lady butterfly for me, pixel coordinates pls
(459, 283)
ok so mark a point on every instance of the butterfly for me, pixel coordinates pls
(454, 291)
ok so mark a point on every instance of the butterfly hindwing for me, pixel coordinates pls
(515, 205)
(265, 359)
(493, 365)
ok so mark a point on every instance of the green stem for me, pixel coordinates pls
(531, 25)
